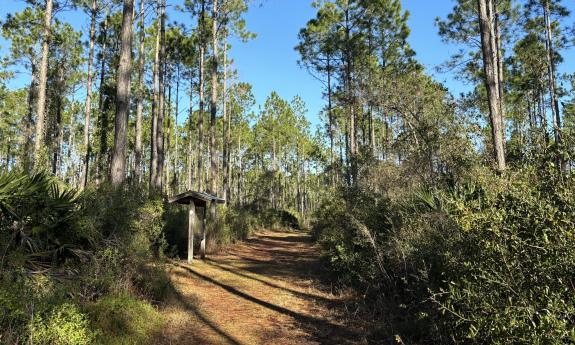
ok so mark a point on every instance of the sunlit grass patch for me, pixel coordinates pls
(124, 320)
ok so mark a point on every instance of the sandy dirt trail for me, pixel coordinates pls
(265, 290)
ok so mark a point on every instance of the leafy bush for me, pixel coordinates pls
(39, 225)
(124, 320)
(487, 261)
(273, 219)
(513, 283)
(62, 249)
(350, 227)
(64, 326)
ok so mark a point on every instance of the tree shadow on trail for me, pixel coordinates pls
(321, 329)
(237, 271)
(189, 306)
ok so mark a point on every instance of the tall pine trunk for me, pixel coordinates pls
(330, 119)
(191, 182)
(491, 79)
(88, 107)
(29, 121)
(140, 105)
(162, 98)
(103, 121)
(227, 127)
(214, 104)
(200, 152)
(40, 158)
(351, 104)
(155, 104)
(118, 168)
(500, 74)
(177, 148)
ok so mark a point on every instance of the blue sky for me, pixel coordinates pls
(269, 62)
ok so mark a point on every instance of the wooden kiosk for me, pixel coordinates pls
(198, 203)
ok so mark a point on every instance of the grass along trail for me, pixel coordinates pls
(263, 291)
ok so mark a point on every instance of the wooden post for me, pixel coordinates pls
(192, 224)
(203, 242)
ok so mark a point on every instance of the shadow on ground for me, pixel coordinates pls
(266, 290)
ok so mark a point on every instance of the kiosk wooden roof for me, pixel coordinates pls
(199, 198)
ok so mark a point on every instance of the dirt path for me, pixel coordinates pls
(263, 291)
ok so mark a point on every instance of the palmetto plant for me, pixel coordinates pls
(37, 222)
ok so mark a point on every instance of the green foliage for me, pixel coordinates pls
(273, 219)
(124, 320)
(513, 280)
(39, 225)
(349, 227)
(232, 224)
(23, 299)
(65, 325)
(486, 261)
(62, 249)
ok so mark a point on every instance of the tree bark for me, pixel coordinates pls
(177, 152)
(27, 137)
(213, 110)
(214, 106)
(200, 151)
(40, 158)
(162, 100)
(227, 127)
(168, 133)
(140, 100)
(118, 169)
(351, 104)
(191, 182)
(155, 103)
(103, 116)
(330, 119)
(498, 51)
(88, 107)
(489, 50)
(57, 132)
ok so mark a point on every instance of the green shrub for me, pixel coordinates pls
(153, 282)
(350, 228)
(512, 280)
(39, 223)
(124, 320)
(273, 219)
(61, 248)
(489, 261)
(65, 325)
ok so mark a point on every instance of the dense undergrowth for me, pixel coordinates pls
(484, 260)
(78, 268)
